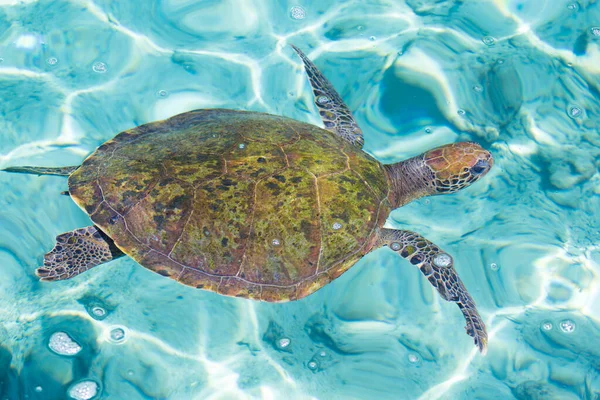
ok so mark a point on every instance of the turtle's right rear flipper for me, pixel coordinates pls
(60, 171)
(76, 252)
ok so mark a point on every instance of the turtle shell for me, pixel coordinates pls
(240, 203)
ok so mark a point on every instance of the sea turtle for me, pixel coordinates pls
(255, 205)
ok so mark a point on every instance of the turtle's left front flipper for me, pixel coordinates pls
(336, 116)
(76, 252)
(438, 267)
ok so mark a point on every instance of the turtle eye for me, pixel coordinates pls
(480, 167)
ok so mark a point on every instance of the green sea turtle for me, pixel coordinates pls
(255, 205)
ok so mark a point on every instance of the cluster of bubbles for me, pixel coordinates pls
(84, 390)
(314, 363)
(442, 260)
(573, 6)
(61, 343)
(297, 13)
(276, 242)
(242, 146)
(99, 67)
(567, 326)
(321, 99)
(595, 31)
(337, 226)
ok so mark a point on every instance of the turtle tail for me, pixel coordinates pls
(60, 171)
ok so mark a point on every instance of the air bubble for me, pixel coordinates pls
(488, 40)
(478, 88)
(283, 343)
(117, 335)
(442, 260)
(573, 6)
(413, 358)
(337, 226)
(427, 130)
(494, 267)
(61, 343)
(595, 30)
(322, 99)
(395, 246)
(360, 28)
(322, 354)
(427, 201)
(162, 93)
(500, 61)
(460, 111)
(575, 112)
(567, 326)
(276, 242)
(99, 67)
(242, 146)
(547, 326)
(84, 390)
(98, 312)
(312, 365)
(372, 38)
(297, 13)
(39, 389)
(52, 61)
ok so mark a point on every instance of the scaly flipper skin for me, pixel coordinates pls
(59, 171)
(437, 266)
(76, 252)
(336, 116)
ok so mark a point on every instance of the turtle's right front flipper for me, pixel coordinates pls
(60, 171)
(438, 267)
(76, 252)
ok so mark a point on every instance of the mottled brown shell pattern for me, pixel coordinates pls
(240, 203)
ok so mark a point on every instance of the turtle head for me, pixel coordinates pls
(456, 166)
(445, 169)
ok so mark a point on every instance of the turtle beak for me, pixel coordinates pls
(483, 166)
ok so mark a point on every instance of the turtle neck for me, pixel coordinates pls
(409, 180)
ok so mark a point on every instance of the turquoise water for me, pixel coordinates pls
(519, 77)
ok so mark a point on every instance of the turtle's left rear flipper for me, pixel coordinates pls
(76, 252)
(60, 171)
(438, 267)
